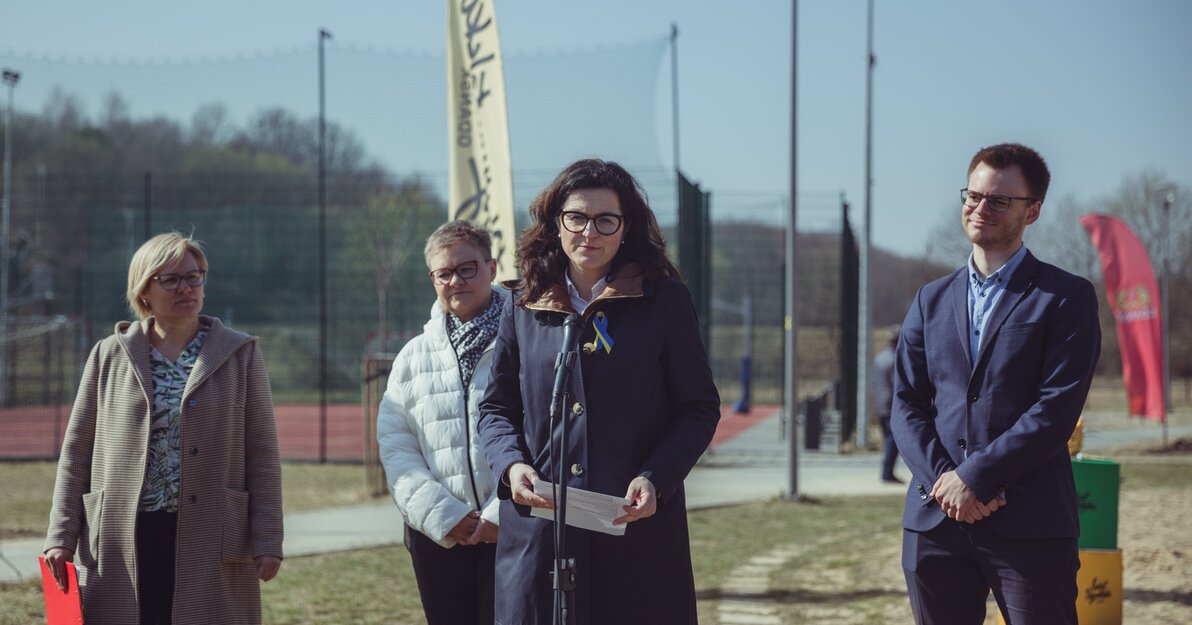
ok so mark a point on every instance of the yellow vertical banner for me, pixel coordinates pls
(480, 177)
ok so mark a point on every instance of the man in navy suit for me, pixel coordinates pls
(993, 367)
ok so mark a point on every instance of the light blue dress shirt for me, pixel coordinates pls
(983, 295)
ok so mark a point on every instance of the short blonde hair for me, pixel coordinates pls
(458, 231)
(154, 254)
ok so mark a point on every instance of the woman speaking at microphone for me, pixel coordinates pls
(641, 406)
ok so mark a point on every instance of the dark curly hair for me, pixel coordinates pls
(540, 256)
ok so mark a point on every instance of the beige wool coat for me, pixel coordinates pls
(229, 508)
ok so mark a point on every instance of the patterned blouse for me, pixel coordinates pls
(163, 467)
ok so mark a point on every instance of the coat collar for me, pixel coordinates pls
(959, 296)
(629, 282)
(220, 344)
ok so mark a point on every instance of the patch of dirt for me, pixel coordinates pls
(1155, 536)
(1179, 446)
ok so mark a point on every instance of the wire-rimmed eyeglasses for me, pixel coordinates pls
(171, 281)
(996, 203)
(605, 223)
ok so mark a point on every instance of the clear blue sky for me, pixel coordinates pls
(1101, 88)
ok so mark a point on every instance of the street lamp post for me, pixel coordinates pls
(323, 36)
(790, 383)
(864, 310)
(11, 78)
(1168, 200)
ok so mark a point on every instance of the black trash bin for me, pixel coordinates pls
(812, 410)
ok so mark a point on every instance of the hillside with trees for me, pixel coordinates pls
(87, 190)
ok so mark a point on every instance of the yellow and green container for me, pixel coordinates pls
(1097, 485)
(1098, 588)
(1099, 580)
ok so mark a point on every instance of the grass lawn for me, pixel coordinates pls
(377, 586)
(26, 489)
(828, 550)
(834, 560)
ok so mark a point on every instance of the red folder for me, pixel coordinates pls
(62, 608)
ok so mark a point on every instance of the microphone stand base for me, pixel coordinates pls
(563, 578)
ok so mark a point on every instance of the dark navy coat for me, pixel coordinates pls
(648, 406)
(1000, 418)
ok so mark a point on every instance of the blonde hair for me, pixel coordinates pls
(154, 254)
(458, 231)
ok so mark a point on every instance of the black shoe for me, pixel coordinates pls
(891, 479)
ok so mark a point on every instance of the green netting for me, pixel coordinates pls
(108, 153)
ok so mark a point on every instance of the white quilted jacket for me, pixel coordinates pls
(432, 456)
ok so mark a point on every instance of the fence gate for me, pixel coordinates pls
(373, 376)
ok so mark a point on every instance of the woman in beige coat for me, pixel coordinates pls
(169, 483)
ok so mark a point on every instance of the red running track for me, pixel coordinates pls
(35, 432)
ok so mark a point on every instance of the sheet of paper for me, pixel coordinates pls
(585, 509)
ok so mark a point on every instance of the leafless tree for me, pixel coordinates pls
(389, 230)
(1058, 238)
(947, 245)
(210, 125)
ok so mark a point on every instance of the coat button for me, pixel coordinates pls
(962, 443)
(194, 451)
(974, 397)
(577, 408)
(577, 469)
(194, 499)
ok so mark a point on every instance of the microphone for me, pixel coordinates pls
(565, 361)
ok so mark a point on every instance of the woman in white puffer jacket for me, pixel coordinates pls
(426, 429)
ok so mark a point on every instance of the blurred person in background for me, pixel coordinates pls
(882, 380)
(169, 482)
(426, 430)
(643, 406)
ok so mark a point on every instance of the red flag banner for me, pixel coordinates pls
(1134, 299)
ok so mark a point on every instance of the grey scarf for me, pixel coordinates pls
(470, 338)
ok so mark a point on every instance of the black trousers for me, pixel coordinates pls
(157, 534)
(456, 584)
(950, 571)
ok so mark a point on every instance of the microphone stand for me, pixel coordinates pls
(563, 575)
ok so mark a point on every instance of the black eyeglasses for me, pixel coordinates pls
(171, 281)
(996, 203)
(465, 271)
(605, 223)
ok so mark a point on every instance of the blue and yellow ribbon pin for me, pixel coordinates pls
(602, 339)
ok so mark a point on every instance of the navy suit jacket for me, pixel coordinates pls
(1002, 417)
